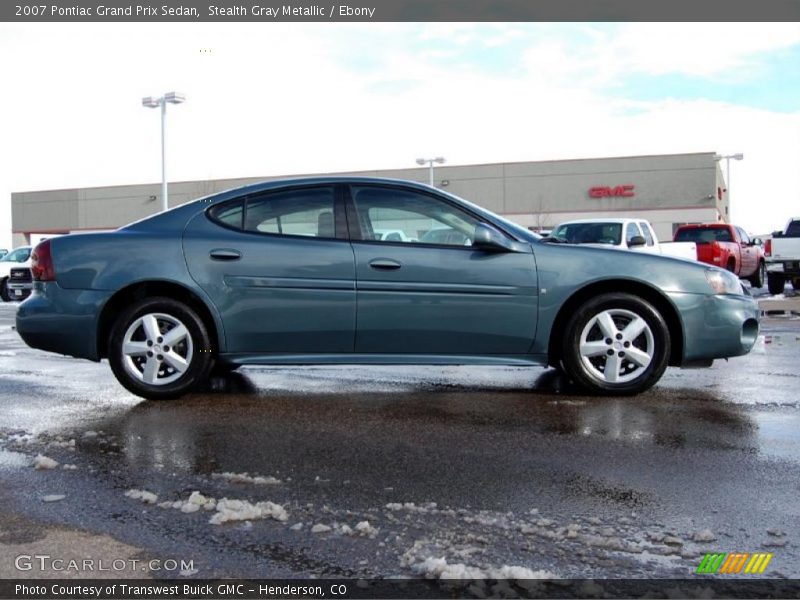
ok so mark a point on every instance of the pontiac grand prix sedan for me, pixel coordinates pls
(293, 273)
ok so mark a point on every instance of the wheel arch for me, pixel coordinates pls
(146, 289)
(642, 290)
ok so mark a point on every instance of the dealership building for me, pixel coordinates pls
(668, 190)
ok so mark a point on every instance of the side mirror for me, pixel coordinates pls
(757, 242)
(489, 239)
(637, 240)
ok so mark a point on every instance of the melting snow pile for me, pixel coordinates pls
(143, 495)
(242, 510)
(245, 478)
(42, 462)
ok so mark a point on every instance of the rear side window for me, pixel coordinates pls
(303, 212)
(229, 214)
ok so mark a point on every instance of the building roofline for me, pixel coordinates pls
(336, 173)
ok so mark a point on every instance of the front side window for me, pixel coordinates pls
(393, 215)
(648, 235)
(631, 231)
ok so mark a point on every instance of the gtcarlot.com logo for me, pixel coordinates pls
(734, 563)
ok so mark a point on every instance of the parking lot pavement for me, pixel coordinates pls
(378, 471)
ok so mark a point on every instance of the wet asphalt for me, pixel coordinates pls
(484, 467)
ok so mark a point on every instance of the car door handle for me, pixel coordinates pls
(384, 264)
(225, 254)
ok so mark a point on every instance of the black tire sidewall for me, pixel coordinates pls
(571, 344)
(202, 359)
(757, 280)
(4, 295)
(776, 283)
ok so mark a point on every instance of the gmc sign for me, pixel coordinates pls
(604, 191)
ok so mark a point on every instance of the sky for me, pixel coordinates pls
(287, 98)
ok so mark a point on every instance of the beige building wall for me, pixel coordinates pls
(537, 194)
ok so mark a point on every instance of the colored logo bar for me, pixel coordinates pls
(734, 563)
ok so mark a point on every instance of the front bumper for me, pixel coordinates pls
(716, 326)
(61, 320)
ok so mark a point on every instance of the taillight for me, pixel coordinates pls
(42, 267)
(768, 248)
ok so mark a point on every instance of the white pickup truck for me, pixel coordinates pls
(782, 254)
(624, 234)
(19, 257)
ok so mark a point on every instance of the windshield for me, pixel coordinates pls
(589, 233)
(18, 255)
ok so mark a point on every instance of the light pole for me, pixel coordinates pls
(727, 160)
(150, 102)
(438, 160)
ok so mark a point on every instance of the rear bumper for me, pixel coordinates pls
(61, 320)
(790, 268)
(717, 326)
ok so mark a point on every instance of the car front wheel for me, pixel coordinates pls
(160, 349)
(616, 344)
(5, 294)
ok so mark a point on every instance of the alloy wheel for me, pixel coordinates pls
(616, 346)
(157, 349)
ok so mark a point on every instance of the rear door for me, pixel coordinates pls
(433, 292)
(280, 270)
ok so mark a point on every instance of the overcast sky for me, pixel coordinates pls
(270, 99)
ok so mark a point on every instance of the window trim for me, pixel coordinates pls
(354, 226)
(341, 233)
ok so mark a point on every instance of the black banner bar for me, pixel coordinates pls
(701, 587)
(397, 10)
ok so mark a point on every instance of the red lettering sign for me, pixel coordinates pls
(604, 191)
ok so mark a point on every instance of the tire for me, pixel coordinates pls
(757, 278)
(776, 282)
(796, 284)
(599, 326)
(134, 354)
(4, 293)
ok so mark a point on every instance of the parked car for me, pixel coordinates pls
(20, 283)
(727, 246)
(19, 257)
(783, 257)
(622, 234)
(214, 284)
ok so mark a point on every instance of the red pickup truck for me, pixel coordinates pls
(729, 247)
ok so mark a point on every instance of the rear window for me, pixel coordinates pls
(704, 235)
(793, 230)
(589, 233)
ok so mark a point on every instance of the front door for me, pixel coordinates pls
(427, 290)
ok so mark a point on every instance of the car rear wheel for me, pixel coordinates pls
(616, 344)
(775, 282)
(757, 279)
(160, 349)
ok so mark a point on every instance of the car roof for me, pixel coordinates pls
(602, 220)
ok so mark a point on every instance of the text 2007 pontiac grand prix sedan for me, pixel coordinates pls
(293, 272)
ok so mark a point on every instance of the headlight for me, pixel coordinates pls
(723, 282)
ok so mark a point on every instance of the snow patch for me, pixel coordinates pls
(143, 495)
(242, 510)
(42, 462)
(246, 478)
(53, 498)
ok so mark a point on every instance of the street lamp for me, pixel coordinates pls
(429, 161)
(150, 102)
(727, 160)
